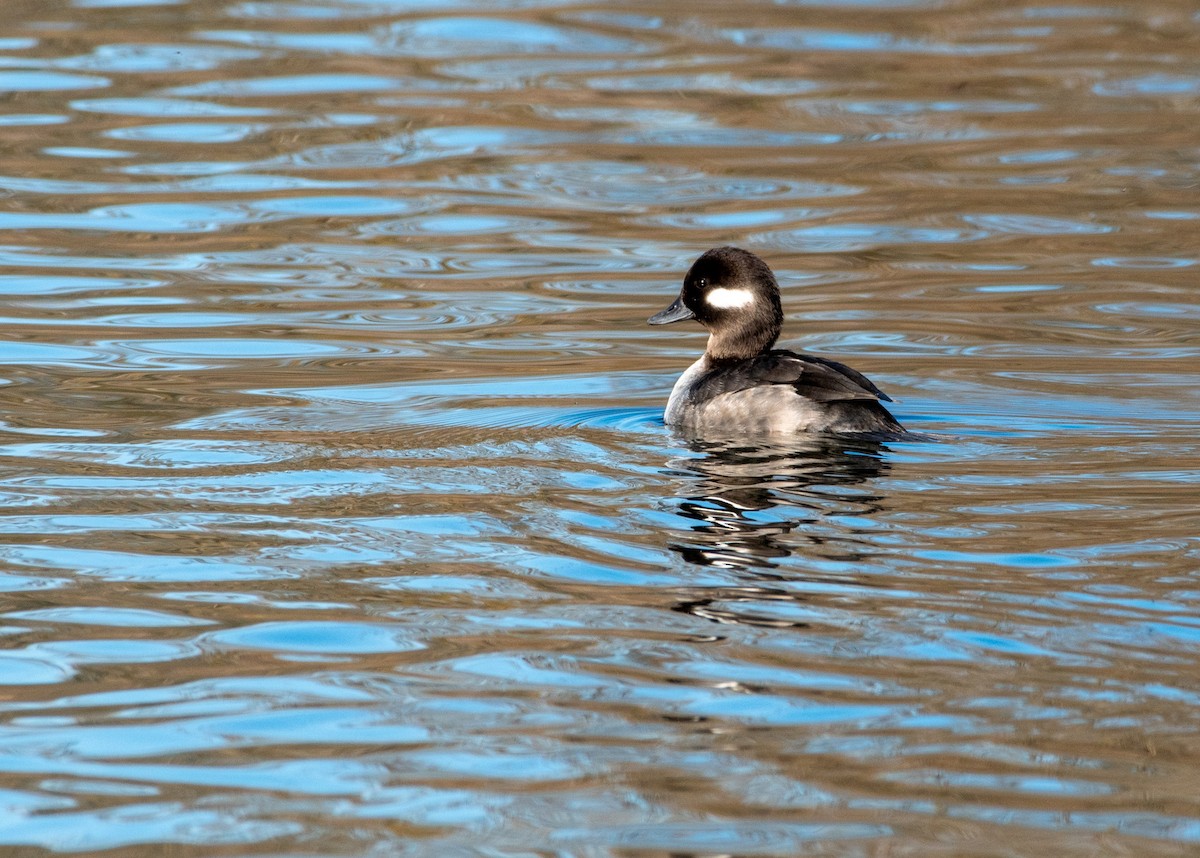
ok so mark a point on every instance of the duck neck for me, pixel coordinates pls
(743, 342)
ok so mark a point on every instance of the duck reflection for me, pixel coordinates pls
(755, 504)
(752, 501)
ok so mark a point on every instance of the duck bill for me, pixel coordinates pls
(677, 312)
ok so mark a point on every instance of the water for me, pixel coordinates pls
(338, 514)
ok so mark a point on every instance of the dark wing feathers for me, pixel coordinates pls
(815, 378)
(856, 377)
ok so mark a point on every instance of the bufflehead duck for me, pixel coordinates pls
(741, 385)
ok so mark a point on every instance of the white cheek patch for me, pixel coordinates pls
(729, 299)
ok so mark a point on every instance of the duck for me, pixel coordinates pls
(742, 385)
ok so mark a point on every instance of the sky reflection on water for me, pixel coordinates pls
(338, 512)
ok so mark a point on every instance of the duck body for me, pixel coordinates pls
(743, 386)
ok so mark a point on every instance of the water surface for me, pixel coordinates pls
(338, 517)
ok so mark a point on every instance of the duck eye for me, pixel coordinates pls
(702, 283)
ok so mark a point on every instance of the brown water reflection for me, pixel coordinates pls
(337, 512)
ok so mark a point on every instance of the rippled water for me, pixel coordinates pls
(338, 513)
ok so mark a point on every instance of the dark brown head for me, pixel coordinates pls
(733, 294)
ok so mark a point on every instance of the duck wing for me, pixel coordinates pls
(815, 378)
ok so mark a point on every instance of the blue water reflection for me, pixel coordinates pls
(337, 515)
